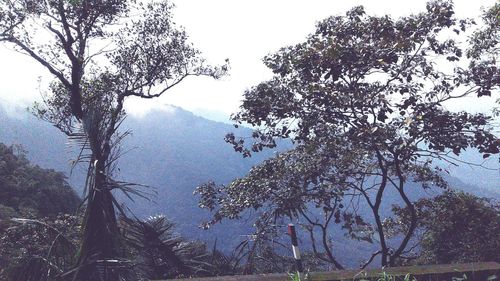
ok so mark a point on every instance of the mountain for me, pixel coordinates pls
(173, 151)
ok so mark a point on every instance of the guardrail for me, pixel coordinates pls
(480, 271)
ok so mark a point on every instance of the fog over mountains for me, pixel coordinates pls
(174, 151)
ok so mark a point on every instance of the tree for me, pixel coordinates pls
(457, 227)
(363, 100)
(101, 52)
(10, 18)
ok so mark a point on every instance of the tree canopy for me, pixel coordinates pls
(364, 100)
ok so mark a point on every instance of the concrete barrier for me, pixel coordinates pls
(479, 271)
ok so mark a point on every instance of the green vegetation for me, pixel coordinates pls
(362, 99)
(388, 277)
(37, 222)
(407, 277)
(456, 227)
(298, 276)
(38, 249)
(30, 191)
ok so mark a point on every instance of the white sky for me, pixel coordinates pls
(244, 32)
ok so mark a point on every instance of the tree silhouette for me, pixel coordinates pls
(363, 99)
(101, 52)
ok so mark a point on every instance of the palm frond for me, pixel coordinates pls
(161, 252)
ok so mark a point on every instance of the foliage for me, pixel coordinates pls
(163, 253)
(38, 230)
(363, 99)
(45, 249)
(297, 276)
(486, 44)
(38, 249)
(457, 227)
(388, 277)
(30, 191)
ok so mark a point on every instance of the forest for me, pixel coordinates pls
(351, 140)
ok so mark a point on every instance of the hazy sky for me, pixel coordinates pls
(244, 32)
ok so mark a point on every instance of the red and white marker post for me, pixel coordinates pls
(295, 248)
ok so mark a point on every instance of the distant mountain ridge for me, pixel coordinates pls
(174, 151)
(171, 150)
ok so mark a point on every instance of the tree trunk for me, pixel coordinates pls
(100, 230)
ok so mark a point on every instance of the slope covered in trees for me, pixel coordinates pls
(30, 191)
(172, 151)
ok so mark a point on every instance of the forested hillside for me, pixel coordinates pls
(170, 151)
(27, 190)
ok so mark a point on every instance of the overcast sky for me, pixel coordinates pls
(244, 32)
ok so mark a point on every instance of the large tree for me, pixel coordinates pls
(101, 53)
(363, 99)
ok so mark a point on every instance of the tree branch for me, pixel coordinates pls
(42, 61)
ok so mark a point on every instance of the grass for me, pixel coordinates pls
(387, 277)
(297, 277)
